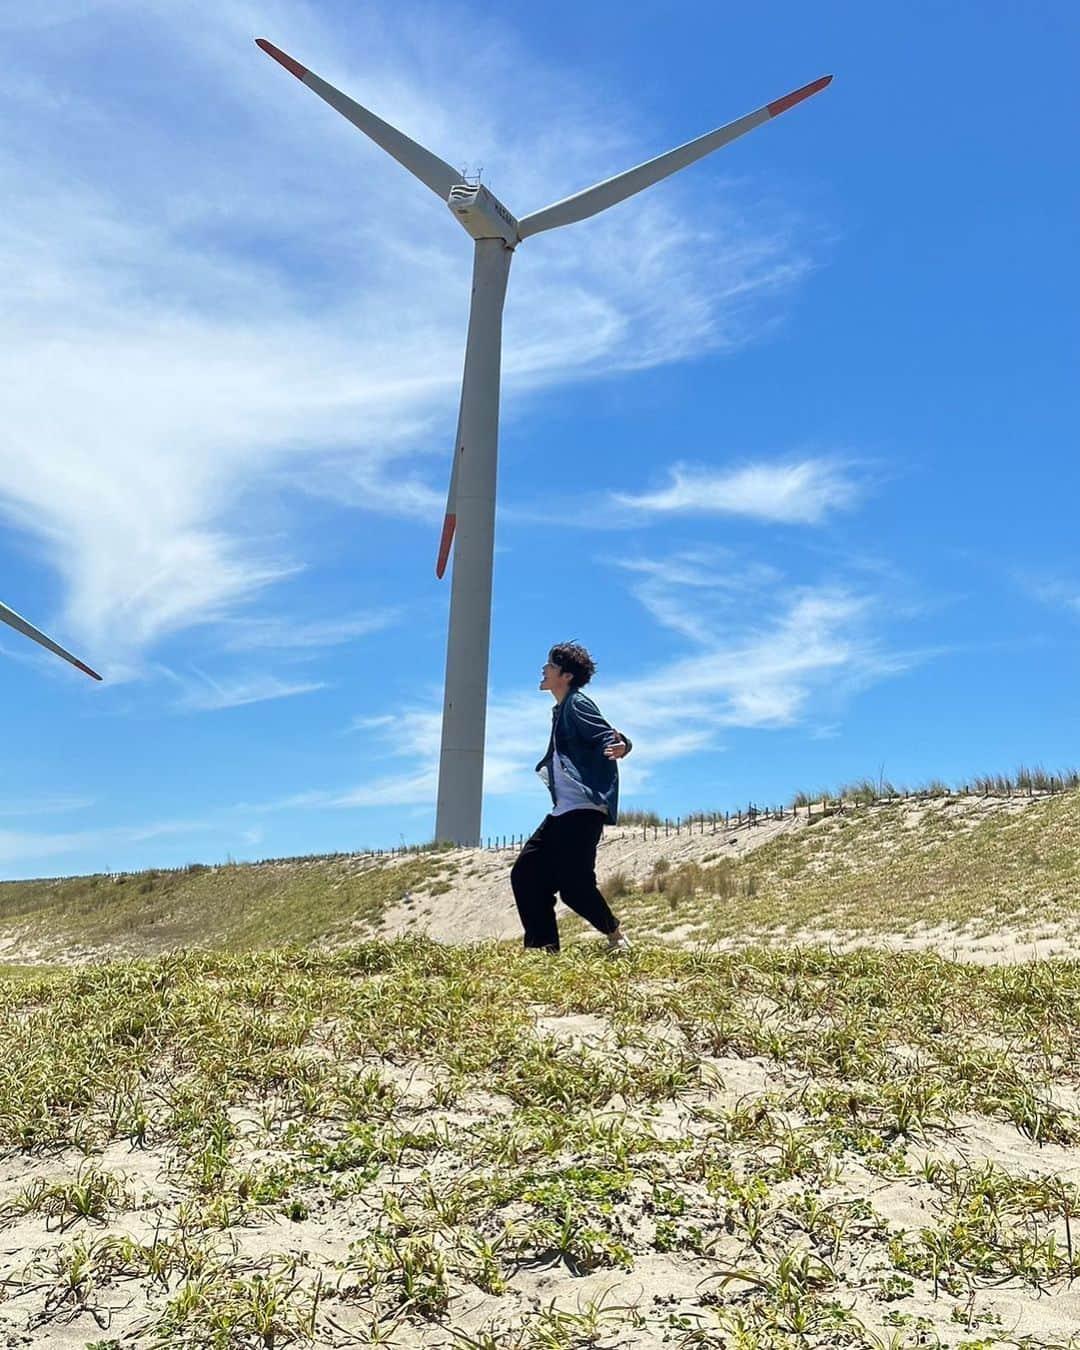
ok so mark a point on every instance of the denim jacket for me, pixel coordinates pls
(580, 734)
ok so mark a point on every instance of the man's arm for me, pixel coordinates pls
(597, 730)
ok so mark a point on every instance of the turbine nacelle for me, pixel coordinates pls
(482, 214)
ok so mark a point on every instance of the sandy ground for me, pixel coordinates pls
(659, 1284)
(480, 904)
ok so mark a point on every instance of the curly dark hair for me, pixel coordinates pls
(572, 659)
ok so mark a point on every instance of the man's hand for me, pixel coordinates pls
(616, 749)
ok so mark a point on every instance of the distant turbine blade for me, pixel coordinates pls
(17, 622)
(450, 519)
(612, 190)
(430, 169)
(449, 526)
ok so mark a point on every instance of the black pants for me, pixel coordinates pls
(560, 856)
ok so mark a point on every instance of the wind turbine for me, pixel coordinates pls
(470, 507)
(21, 625)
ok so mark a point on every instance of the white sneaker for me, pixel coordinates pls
(618, 944)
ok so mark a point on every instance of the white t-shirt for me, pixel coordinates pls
(570, 795)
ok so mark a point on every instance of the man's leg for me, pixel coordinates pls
(578, 833)
(533, 881)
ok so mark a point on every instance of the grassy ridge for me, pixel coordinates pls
(885, 868)
(238, 906)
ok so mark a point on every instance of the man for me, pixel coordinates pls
(580, 771)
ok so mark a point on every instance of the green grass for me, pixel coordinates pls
(381, 1138)
(882, 869)
(263, 1133)
(236, 906)
(868, 790)
(14, 973)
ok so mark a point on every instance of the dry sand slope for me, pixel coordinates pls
(480, 905)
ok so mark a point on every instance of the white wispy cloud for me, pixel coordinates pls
(794, 492)
(517, 728)
(26, 846)
(278, 633)
(43, 806)
(711, 569)
(700, 592)
(206, 694)
(766, 655)
(193, 318)
(369, 722)
(1061, 592)
(391, 790)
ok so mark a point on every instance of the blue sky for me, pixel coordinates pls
(788, 441)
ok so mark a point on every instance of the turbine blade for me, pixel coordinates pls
(450, 519)
(445, 542)
(20, 624)
(430, 169)
(602, 195)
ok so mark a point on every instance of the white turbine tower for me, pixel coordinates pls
(470, 508)
(21, 625)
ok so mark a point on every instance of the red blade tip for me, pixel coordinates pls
(86, 670)
(449, 525)
(796, 96)
(293, 67)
